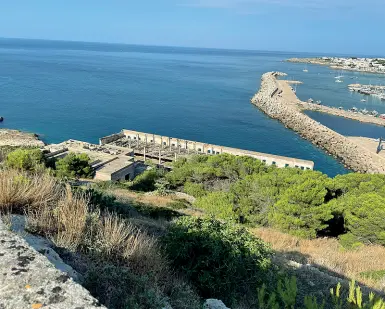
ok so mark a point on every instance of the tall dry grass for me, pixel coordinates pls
(328, 253)
(19, 190)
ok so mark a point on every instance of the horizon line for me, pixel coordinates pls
(186, 47)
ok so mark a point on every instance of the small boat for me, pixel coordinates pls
(353, 109)
(310, 100)
(341, 108)
(364, 111)
(318, 102)
(339, 81)
(1, 119)
(382, 116)
(363, 100)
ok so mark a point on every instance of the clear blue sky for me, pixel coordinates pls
(331, 26)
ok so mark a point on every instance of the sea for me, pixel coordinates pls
(77, 90)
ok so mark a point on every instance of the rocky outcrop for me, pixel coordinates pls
(271, 100)
(214, 304)
(29, 280)
(20, 139)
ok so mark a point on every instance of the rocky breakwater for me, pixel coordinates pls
(275, 101)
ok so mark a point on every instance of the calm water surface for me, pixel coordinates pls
(64, 90)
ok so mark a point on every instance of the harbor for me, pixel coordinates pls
(370, 90)
(277, 99)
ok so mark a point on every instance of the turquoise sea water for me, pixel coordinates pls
(64, 90)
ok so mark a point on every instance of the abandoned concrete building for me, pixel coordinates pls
(167, 149)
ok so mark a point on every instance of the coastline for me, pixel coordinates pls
(276, 99)
(320, 61)
(18, 138)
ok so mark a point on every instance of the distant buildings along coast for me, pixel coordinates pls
(370, 65)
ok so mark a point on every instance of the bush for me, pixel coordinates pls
(222, 260)
(301, 209)
(117, 287)
(349, 241)
(147, 180)
(74, 166)
(364, 216)
(194, 189)
(25, 159)
(217, 204)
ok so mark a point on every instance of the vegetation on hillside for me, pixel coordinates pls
(134, 255)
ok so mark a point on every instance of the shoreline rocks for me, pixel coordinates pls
(18, 138)
(271, 99)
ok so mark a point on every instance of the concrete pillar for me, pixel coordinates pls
(153, 138)
(169, 143)
(176, 157)
(146, 139)
(161, 142)
(160, 157)
(137, 138)
(144, 154)
(221, 150)
(195, 146)
(129, 142)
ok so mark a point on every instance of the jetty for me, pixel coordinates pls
(276, 98)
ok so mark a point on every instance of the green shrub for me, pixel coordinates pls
(364, 216)
(147, 180)
(222, 260)
(217, 204)
(349, 241)
(117, 287)
(194, 189)
(74, 166)
(301, 209)
(25, 159)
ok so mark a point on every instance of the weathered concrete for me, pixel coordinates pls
(29, 280)
(273, 98)
(170, 148)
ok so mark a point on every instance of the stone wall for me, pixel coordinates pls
(110, 138)
(352, 155)
(29, 280)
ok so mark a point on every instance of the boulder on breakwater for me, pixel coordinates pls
(271, 100)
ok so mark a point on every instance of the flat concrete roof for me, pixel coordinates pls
(114, 166)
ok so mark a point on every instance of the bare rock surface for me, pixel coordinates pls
(214, 304)
(29, 280)
(17, 138)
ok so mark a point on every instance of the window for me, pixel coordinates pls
(199, 149)
(173, 145)
(264, 161)
(286, 165)
(217, 152)
(208, 151)
(308, 168)
(297, 166)
(274, 163)
(134, 137)
(302, 168)
(164, 143)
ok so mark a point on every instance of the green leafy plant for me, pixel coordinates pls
(74, 166)
(25, 159)
(222, 260)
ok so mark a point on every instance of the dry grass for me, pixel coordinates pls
(327, 252)
(19, 190)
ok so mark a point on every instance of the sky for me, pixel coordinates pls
(326, 26)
